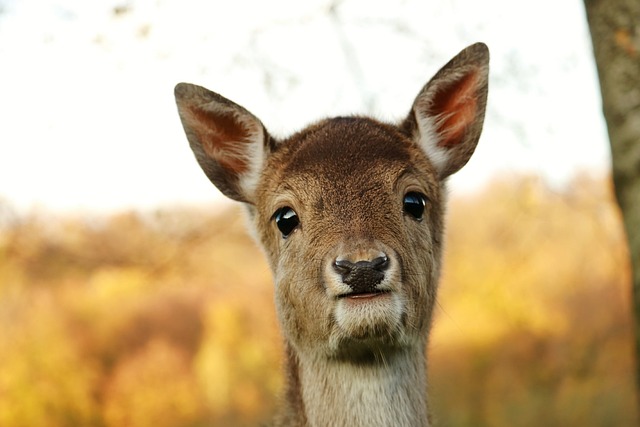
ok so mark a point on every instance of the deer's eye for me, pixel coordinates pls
(414, 203)
(287, 220)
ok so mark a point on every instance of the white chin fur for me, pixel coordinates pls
(369, 318)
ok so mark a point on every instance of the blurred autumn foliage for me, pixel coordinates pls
(166, 319)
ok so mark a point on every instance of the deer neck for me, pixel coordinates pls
(384, 392)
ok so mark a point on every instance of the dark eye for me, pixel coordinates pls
(287, 220)
(414, 204)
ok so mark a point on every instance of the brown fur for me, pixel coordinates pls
(351, 360)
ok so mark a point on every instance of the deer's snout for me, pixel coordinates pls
(362, 276)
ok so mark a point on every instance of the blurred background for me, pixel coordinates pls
(130, 294)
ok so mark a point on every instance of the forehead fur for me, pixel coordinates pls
(341, 146)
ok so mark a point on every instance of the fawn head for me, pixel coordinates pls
(348, 210)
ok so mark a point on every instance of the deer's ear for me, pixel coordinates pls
(447, 115)
(227, 140)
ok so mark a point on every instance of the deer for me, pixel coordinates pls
(349, 212)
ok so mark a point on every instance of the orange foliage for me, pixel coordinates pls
(167, 318)
(153, 388)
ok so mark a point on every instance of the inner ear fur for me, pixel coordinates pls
(228, 141)
(447, 115)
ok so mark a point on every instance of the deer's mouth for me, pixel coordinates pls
(370, 294)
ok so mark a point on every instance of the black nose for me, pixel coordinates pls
(362, 276)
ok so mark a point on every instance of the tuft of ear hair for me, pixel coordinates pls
(229, 142)
(447, 115)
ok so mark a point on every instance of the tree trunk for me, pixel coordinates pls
(615, 33)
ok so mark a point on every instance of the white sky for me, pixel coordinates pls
(88, 121)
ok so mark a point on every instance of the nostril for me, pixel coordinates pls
(380, 263)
